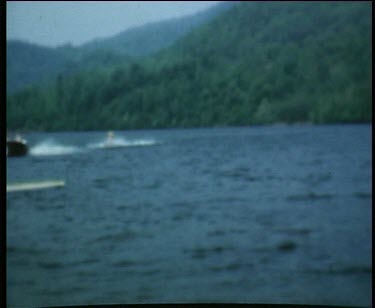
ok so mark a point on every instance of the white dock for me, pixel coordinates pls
(34, 185)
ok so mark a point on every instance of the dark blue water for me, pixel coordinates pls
(276, 214)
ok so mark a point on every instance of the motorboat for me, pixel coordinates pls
(17, 146)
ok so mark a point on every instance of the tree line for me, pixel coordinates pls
(257, 63)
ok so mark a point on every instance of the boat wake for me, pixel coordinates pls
(121, 142)
(50, 147)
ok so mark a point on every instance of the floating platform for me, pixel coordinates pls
(34, 185)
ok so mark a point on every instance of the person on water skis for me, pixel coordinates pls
(110, 137)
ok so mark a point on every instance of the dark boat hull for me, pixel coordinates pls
(16, 148)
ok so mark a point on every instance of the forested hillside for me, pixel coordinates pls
(257, 63)
(37, 59)
(29, 64)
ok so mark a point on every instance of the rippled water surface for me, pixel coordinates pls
(276, 214)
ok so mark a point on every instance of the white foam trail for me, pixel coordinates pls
(121, 142)
(141, 142)
(50, 147)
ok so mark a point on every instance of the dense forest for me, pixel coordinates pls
(256, 63)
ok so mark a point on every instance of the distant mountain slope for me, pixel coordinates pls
(31, 64)
(26, 62)
(147, 39)
(257, 63)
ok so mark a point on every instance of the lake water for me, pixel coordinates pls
(278, 214)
